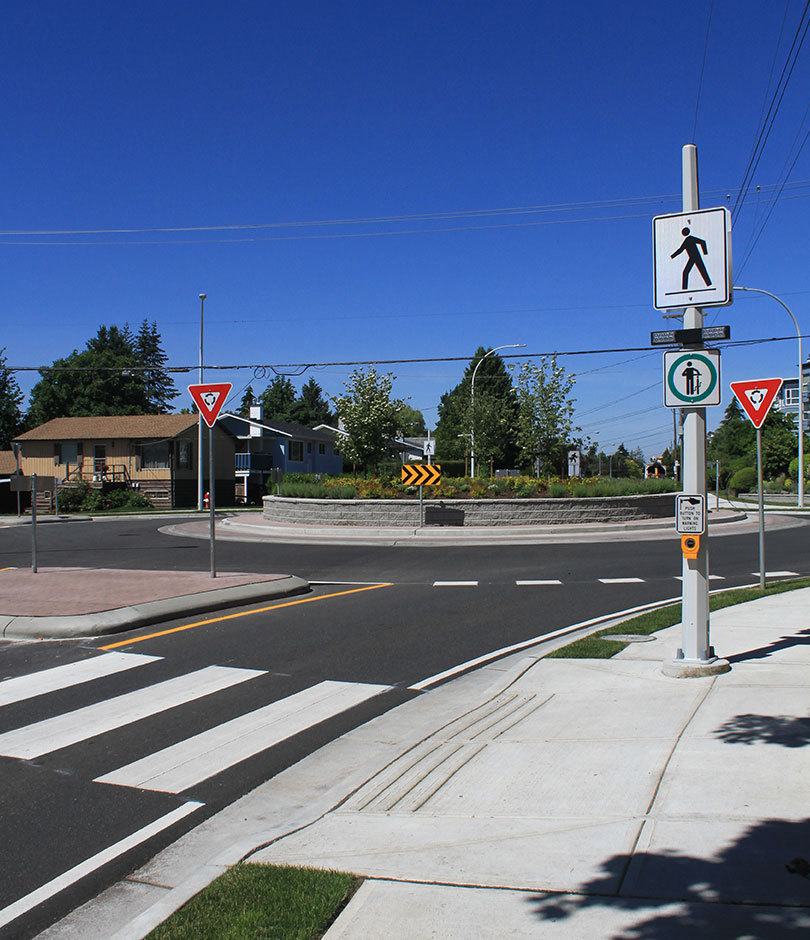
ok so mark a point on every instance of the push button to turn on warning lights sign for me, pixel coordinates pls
(690, 514)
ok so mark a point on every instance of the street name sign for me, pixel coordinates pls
(210, 398)
(690, 514)
(694, 337)
(756, 397)
(692, 378)
(421, 474)
(692, 259)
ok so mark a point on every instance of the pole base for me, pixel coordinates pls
(695, 668)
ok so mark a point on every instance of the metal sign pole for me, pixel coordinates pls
(421, 512)
(212, 489)
(34, 523)
(761, 512)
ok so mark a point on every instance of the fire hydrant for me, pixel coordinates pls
(207, 500)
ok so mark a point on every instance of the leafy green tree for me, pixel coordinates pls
(546, 413)
(248, 399)
(159, 386)
(103, 379)
(278, 399)
(779, 443)
(311, 408)
(496, 414)
(11, 397)
(369, 417)
(411, 422)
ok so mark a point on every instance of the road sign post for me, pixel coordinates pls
(691, 383)
(421, 474)
(209, 399)
(756, 397)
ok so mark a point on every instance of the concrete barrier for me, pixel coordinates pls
(470, 512)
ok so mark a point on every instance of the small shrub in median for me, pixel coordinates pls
(743, 481)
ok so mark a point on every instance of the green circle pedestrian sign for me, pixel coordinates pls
(692, 378)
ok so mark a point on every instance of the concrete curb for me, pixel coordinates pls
(141, 615)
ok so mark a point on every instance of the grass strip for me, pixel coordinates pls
(593, 647)
(261, 902)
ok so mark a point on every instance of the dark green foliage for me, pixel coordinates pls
(11, 398)
(84, 498)
(278, 399)
(105, 378)
(743, 481)
(411, 423)
(159, 386)
(248, 399)
(496, 415)
(311, 408)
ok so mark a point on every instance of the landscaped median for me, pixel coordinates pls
(470, 502)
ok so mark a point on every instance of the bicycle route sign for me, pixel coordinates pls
(692, 378)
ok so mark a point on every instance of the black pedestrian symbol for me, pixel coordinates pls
(692, 376)
(693, 247)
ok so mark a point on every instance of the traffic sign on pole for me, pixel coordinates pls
(690, 514)
(756, 397)
(692, 259)
(421, 474)
(210, 398)
(692, 377)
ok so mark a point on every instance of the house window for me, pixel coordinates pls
(322, 449)
(184, 455)
(296, 451)
(792, 396)
(155, 456)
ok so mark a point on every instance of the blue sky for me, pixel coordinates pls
(409, 128)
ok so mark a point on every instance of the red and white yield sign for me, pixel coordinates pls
(756, 397)
(209, 399)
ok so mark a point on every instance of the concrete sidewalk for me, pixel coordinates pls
(58, 603)
(544, 798)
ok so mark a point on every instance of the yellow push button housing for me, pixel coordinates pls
(690, 545)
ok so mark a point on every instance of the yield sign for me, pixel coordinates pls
(756, 397)
(210, 399)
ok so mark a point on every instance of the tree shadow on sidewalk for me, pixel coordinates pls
(785, 730)
(801, 638)
(757, 887)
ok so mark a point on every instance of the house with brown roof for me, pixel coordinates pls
(155, 454)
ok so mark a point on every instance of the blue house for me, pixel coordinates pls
(266, 445)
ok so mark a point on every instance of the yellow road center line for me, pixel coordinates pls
(243, 613)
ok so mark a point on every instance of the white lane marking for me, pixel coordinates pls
(527, 583)
(455, 584)
(189, 762)
(712, 577)
(66, 879)
(69, 728)
(777, 574)
(62, 677)
(621, 580)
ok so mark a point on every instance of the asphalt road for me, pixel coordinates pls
(358, 645)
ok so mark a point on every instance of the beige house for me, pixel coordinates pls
(155, 454)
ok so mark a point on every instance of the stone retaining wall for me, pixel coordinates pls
(468, 512)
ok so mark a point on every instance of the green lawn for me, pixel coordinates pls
(592, 647)
(261, 902)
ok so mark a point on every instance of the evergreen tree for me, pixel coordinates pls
(311, 408)
(102, 379)
(159, 387)
(496, 414)
(248, 399)
(278, 399)
(11, 397)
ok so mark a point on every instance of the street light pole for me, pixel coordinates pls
(472, 399)
(757, 290)
(199, 417)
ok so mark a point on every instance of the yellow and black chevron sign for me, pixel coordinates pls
(421, 474)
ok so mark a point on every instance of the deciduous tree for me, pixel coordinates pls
(369, 417)
(546, 413)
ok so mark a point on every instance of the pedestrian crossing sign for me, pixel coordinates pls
(692, 259)
(692, 378)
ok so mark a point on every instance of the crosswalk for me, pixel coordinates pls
(629, 579)
(184, 763)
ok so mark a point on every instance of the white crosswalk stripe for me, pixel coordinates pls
(69, 728)
(621, 580)
(62, 677)
(189, 762)
(532, 583)
(455, 584)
